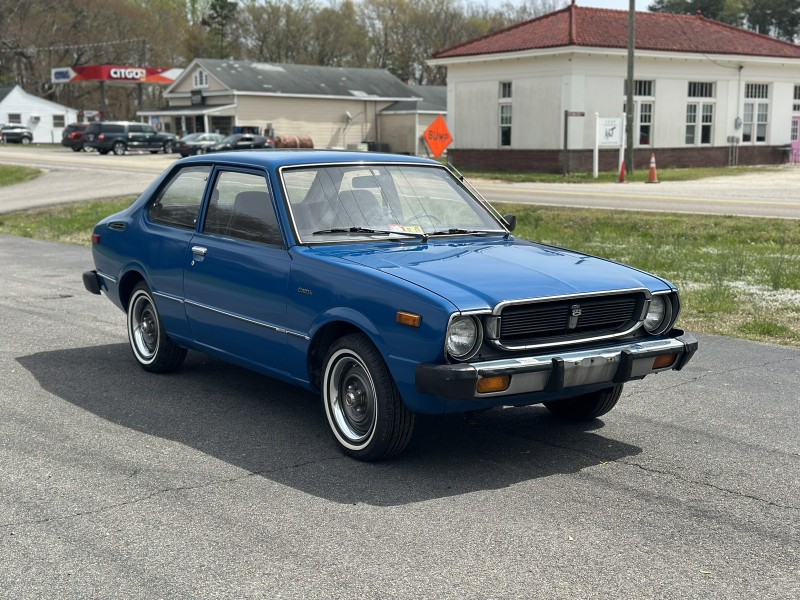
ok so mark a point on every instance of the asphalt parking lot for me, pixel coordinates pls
(218, 483)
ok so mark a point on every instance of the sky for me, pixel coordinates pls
(641, 5)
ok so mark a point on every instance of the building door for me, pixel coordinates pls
(796, 139)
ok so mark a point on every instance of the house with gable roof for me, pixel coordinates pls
(46, 119)
(336, 107)
(705, 93)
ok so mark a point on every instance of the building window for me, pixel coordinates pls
(641, 87)
(645, 123)
(200, 79)
(643, 109)
(15, 118)
(699, 115)
(505, 113)
(756, 113)
(58, 120)
(701, 89)
(796, 105)
(505, 124)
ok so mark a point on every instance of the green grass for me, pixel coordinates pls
(9, 174)
(738, 276)
(68, 223)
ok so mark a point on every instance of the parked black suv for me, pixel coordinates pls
(120, 136)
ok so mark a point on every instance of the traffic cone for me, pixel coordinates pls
(652, 177)
(622, 173)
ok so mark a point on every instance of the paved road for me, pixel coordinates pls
(218, 483)
(74, 176)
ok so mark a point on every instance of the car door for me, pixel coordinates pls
(169, 226)
(136, 136)
(150, 137)
(236, 274)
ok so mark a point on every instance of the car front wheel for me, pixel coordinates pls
(26, 141)
(151, 346)
(167, 147)
(586, 407)
(364, 409)
(118, 148)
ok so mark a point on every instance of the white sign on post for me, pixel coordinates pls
(608, 132)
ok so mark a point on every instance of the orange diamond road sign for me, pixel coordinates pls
(437, 136)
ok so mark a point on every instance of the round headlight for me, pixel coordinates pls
(463, 336)
(657, 314)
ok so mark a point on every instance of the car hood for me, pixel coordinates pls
(477, 274)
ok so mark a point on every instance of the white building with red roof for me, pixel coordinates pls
(705, 93)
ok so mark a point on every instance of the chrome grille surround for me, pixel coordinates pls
(570, 319)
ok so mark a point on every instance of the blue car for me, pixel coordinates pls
(383, 282)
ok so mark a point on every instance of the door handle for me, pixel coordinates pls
(199, 250)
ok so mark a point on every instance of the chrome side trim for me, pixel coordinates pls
(263, 324)
(166, 296)
(107, 277)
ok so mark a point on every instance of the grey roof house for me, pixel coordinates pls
(336, 107)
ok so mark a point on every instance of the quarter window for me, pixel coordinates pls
(178, 204)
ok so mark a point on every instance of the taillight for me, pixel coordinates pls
(95, 239)
(101, 137)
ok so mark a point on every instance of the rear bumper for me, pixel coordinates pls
(555, 373)
(91, 281)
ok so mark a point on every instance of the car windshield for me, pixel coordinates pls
(331, 203)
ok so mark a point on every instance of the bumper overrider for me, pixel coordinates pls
(554, 373)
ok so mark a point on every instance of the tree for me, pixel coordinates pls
(221, 15)
(779, 18)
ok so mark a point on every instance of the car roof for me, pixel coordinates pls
(274, 158)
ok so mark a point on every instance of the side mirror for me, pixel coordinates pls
(511, 222)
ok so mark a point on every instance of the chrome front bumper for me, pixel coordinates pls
(557, 372)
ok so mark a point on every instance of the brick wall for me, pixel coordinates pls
(557, 161)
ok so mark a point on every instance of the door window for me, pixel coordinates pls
(178, 203)
(241, 207)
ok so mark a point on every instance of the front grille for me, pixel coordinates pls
(568, 319)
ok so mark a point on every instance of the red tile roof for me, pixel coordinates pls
(604, 28)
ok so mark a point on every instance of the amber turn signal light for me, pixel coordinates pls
(664, 361)
(410, 319)
(499, 383)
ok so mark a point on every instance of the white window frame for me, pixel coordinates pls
(199, 79)
(505, 114)
(755, 113)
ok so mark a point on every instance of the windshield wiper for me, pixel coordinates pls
(349, 230)
(457, 231)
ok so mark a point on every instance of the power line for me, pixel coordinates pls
(72, 46)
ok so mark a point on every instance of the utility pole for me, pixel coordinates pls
(629, 107)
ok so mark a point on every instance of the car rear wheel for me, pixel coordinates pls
(364, 409)
(167, 147)
(77, 148)
(25, 141)
(118, 148)
(586, 407)
(151, 346)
